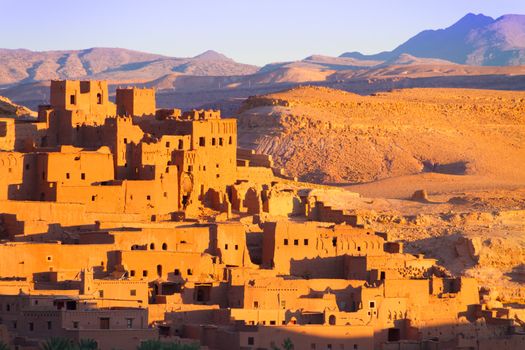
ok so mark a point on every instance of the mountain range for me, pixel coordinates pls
(476, 52)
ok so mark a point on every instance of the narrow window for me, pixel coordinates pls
(221, 141)
(202, 141)
(99, 98)
(334, 241)
(67, 175)
(236, 247)
(213, 141)
(177, 272)
(251, 341)
(129, 322)
(72, 99)
(49, 325)
(190, 272)
(306, 241)
(148, 197)
(125, 140)
(144, 273)
(285, 241)
(31, 326)
(255, 304)
(75, 324)
(295, 242)
(101, 293)
(167, 144)
(133, 292)
(181, 144)
(132, 273)
(164, 246)
(230, 140)
(83, 176)
(226, 247)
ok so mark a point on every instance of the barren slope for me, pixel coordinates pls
(331, 136)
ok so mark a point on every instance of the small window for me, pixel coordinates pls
(132, 273)
(93, 198)
(49, 258)
(251, 341)
(129, 322)
(236, 247)
(75, 324)
(190, 168)
(230, 140)
(285, 241)
(334, 241)
(213, 141)
(101, 293)
(272, 323)
(177, 272)
(372, 304)
(31, 326)
(355, 346)
(15, 324)
(144, 273)
(27, 166)
(133, 292)
(152, 246)
(358, 249)
(190, 272)
(306, 241)
(329, 346)
(148, 197)
(83, 176)
(49, 325)
(202, 141)
(164, 246)
(125, 140)
(295, 242)
(255, 304)
(99, 98)
(313, 346)
(181, 144)
(67, 175)
(72, 99)
(167, 144)
(221, 141)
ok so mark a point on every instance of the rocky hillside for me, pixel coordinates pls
(331, 136)
(10, 109)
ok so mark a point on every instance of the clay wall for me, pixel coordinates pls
(135, 102)
(153, 265)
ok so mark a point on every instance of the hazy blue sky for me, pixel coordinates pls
(250, 31)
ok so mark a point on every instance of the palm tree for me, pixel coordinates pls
(57, 344)
(158, 345)
(287, 344)
(87, 344)
(3, 346)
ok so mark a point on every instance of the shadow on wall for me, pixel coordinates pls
(323, 334)
(329, 267)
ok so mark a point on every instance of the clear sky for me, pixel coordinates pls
(249, 31)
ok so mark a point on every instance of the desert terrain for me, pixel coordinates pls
(464, 148)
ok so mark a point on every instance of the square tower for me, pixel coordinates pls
(135, 102)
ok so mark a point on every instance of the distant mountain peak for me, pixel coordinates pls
(211, 55)
(475, 39)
